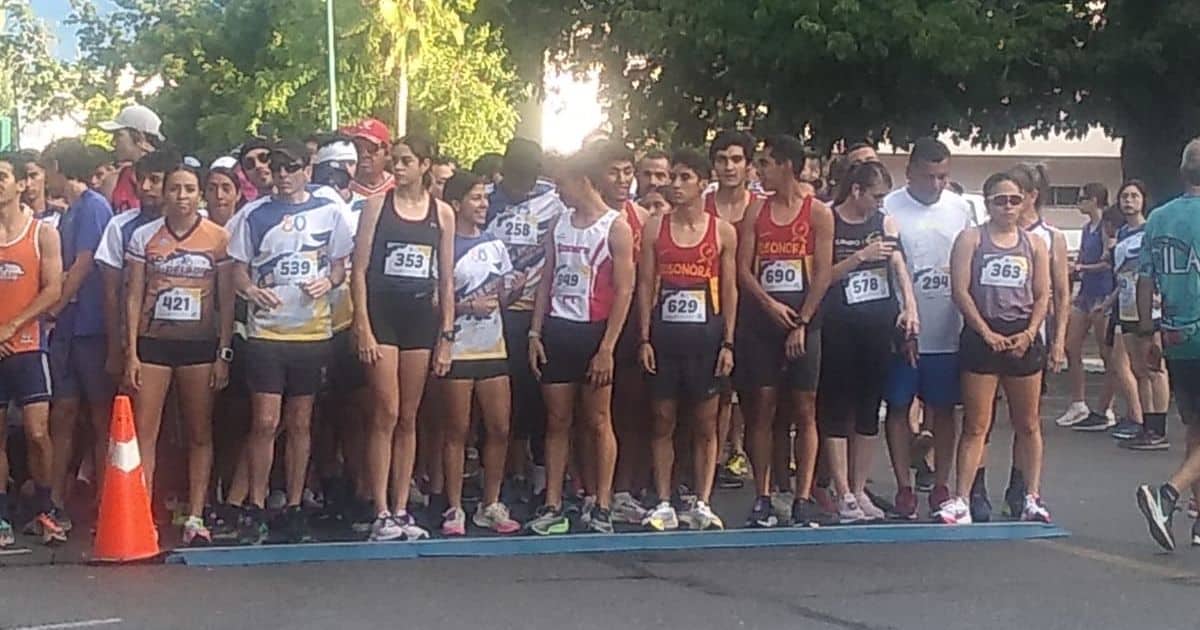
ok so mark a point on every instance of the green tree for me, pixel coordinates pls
(232, 66)
(34, 83)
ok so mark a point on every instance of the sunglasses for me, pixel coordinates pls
(252, 160)
(1001, 201)
(289, 168)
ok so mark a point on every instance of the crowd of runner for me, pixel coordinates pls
(546, 344)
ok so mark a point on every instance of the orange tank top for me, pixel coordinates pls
(20, 283)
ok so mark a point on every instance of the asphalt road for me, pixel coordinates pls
(1108, 574)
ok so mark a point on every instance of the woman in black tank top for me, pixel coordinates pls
(403, 260)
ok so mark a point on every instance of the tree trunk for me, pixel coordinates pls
(401, 127)
(1150, 151)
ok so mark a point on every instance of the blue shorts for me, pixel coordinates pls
(24, 379)
(77, 368)
(935, 381)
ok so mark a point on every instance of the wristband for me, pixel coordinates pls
(727, 345)
(535, 334)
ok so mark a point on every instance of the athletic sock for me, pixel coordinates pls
(1170, 493)
(41, 499)
(1156, 422)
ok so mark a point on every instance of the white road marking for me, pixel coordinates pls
(15, 552)
(1117, 560)
(87, 623)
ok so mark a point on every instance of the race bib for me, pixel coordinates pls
(684, 307)
(408, 260)
(1009, 272)
(297, 268)
(178, 305)
(519, 229)
(933, 283)
(1127, 298)
(782, 276)
(867, 285)
(572, 282)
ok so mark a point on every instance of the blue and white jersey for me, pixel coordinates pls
(117, 234)
(523, 226)
(286, 246)
(481, 268)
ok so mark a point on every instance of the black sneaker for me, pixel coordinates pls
(295, 525)
(1147, 440)
(806, 513)
(601, 521)
(252, 526)
(1158, 506)
(225, 519)
(1095, 422)
(925, 478)
(1014, 498)
(726, 480)
(1196, 533)
(981, 508)
(762, 515)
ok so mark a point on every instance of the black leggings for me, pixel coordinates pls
(528, 409)
(855, 355)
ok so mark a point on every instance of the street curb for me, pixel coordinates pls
(604, 543)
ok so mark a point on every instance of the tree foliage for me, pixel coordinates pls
(33, 81)
(232, 66)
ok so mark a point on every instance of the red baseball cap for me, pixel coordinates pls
(372, 129)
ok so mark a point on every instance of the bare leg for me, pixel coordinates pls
(385, 412)
(456, 421)
(410, 384)
(945, 443)
(560, 405)
(64, 414)
(147, 416)
(1125, 379)
(808, 442)
(266, 410)
(495, 398)
(597, 416)
(196, 401)
(863, 457)
(662, 446)
(760, 422)
(36, 418)
(979, 392)
(704, 445)
(1077, 329)
(297, 422)
(1023, 395)
(899, 441)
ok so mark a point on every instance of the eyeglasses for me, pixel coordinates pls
(254, 159)
(1001, 201)
(287, 167)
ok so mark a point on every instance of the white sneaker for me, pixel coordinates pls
(954, 512)
(662, 518)
(869, 509)
(704, 517)
(1075, 413)
(1111, 415)
(585, 510)
(409, 526)
(385, 528)
(626, 509)
(849, 511)
(496, 518)
(1035, 510)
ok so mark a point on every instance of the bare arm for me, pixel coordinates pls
(647, 278)
(541, 301)
(135, 296)
(73, 280)
(747, 245)
(114, 286)
(1060, 282)
(226, 297)
(821, 224)
(51, 278)
(728, 285)
(908, 298)
(960, 279)
(1041, 287)
(445, 264)
(364, 240)
(620, 245)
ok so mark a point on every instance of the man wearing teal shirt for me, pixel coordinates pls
(1170, 263)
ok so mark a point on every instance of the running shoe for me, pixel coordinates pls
(905, 507)
(1196, 533)
(385, 528)
(686, 495)
(548, 521)
(224, 519)
(601, 521)
(310, 501)
(1125, 430)
(1035, 510)
(1014, 498)
(925, 479)
(781, 504)
(1158, 506)
(60, 517)
(662, 518)
(762, 514)
(738, 464)
(938, 497)
(295, 526)
(252, 527)
(7, 538)
(726, 480)
(1095, 422)
(416, 496)
(868, 507)
(50, 531)
(806, 513)
(276, 501)
(626, 509)
(586, 508)
(849, 511)
(496, 518)
(1076, 412)
(195, 534)
(954, 512)
(1147, 440)
(701, 517)
(454, 522)
(408, 526)
(1193, 511)
(981, 507)
(825, 500)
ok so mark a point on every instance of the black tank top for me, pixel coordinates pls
(867, 292)
(404, 253)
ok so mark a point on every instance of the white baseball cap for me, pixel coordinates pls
(337, 151)
(224, 161)
(138, 118)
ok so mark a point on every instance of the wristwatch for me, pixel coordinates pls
(448, 335)
(727, 345)
(225, 354)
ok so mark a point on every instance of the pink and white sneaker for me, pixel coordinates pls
(954, 512)
(1035, 510)
(454, 522)
(496, 518)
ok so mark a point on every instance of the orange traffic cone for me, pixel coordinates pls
(125, 531)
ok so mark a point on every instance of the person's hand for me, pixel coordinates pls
(483, 306)
(218, 377)
(909, 323)
(537, 356)
(133, 374)
(441, 357)
(1058, 358)
(997, 342)
(5, 350)
(263, 298)
(877, 251)
(516, 283)
(1154, 354)
(367, 347)
(724, 362)
(646, 357)
(316, 287)
(796, 344)
(1019, 343)
(600, 370)
(7, 332)
(783, 315)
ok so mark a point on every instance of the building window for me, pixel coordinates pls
(1064, 195)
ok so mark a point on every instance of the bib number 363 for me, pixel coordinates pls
(684, 307)
(1009, 272)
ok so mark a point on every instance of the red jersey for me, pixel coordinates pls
(20, 283)
(783, 254)
(710, 204)
(635, 224)
(694, 269)
(125, 192)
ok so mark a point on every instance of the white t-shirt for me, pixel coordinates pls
(927, 234)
